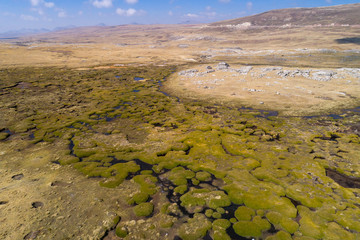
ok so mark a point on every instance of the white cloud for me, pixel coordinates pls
(210, 14)
(249, 6)
(191, 15)
(102, 3)
(62, 14)
(35, 2)
(49, 4)
(328, 1)
(225, 1)
(131, 1)
(129, 12)
(170, 13)
(28, 17)
(80, 13)
(8, 14)
(208, 8)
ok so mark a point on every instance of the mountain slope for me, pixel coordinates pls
(340, 15)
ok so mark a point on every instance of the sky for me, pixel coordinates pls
(36, 14)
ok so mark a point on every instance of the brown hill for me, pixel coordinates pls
(339, 15)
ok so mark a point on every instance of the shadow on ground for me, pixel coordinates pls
(355, 40)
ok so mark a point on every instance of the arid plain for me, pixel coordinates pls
(231, 130)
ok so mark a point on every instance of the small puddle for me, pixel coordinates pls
(337, 116)
(138, 78)
(342, 179)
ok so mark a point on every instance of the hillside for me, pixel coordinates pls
(339, 15)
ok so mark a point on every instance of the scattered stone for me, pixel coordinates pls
(244, 70)
(269, 69)
(323, 76)
(223, 66)
(209, 67)
(283, 73)
(32, 235)
(37, 204)
(18, 176)
(183, 45)
(189, 73)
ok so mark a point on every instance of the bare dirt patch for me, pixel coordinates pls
(292, 91)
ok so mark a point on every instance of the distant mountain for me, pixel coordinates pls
(23, 32)
(27, 31)
(348, 14)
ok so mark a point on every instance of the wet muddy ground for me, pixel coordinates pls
(108, 154)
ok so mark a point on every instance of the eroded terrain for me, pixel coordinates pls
(107, 154)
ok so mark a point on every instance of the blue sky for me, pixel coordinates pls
(19, 14)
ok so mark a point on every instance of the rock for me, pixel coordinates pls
(269, 69)
(222, 66)
(244, 70)
(183, 45)
(323, 75)
(209, 67)
(188, 73)
(284, 73)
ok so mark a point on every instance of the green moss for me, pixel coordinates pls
(281, 235)
(195, 181)
(179, 146)
(112, 182)
(165, 208)
(335, 231)
(218, 199)
(203, 176)
(233, 220)
(221, 224)
(66, 160)
(147, 183)
(82, 153)
(194, 198)
(263, 224)
(274, 217)
(209, 213)
(235, 195)
(267, 200)
(166, 223)
(116, 220)
(121, 231)
(349, 218)
(309, 228)
(144, 209)
(104, 172)
(244, 213)
(247, 229)
(221, 235)
(252, 228)
(216, 215)
(289, 225)
(179, 176)
(4, 135)
(181, 189)
(195, 228)
(220, 210)
(260, 212)
(146, 172)
(138, 198)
